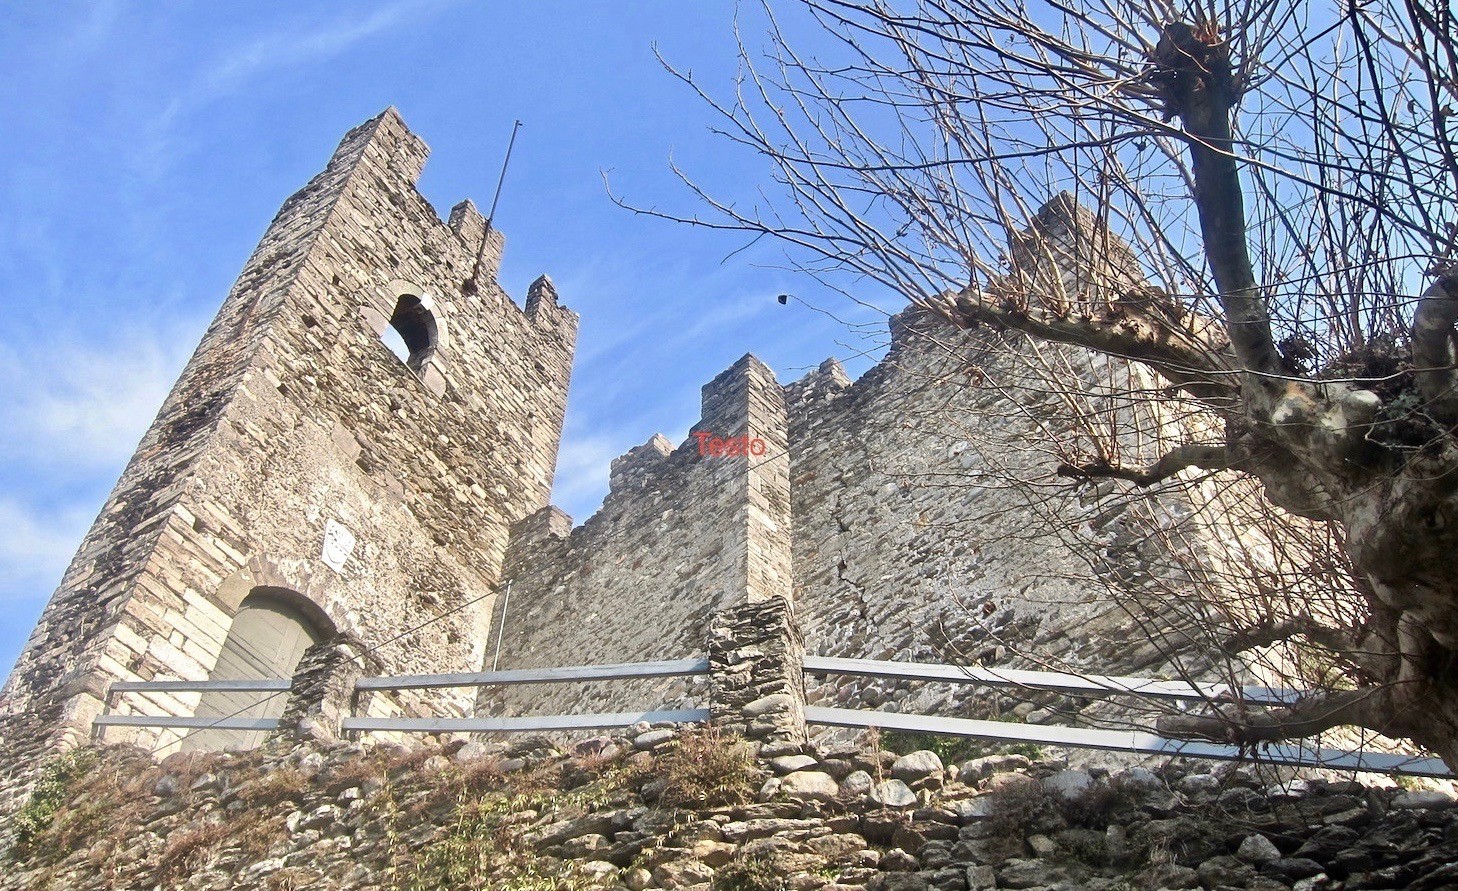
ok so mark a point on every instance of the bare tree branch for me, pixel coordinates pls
(1394, 711)
(1205, 457)
(1192, 68)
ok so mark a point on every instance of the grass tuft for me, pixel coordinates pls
(706, 768)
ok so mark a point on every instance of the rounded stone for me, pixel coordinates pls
(770, 789)
(167, 786)
(981, 768)
(893, 793)
(857, 782)
(1068, 785)
(1257, 849)
(1200, 784)
(836, 768)
(917, 766)
(811, 785)
(766, 704)
(470, 752)
(652, 739)
(791, 763)
(598, 870)
(1141, 778)
(1291, 790)
(1422, 800)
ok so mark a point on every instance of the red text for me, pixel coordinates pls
(728, 447)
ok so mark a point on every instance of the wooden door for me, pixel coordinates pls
(266, 640)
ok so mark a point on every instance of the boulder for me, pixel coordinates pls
(811, 785)
(893, 793)
(917, 767)
(1257, 849)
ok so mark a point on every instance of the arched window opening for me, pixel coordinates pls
(412, 334)
(270, 632)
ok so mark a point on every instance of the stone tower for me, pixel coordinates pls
(303, 481)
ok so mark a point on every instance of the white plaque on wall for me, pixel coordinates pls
(338, 545)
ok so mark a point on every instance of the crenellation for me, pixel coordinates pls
(826, 382)
(468, 224)
(632, 468)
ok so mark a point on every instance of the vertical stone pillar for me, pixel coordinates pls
(746, 400)
(757, 672)
(322, 691)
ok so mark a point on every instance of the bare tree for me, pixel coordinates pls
(1271, 179)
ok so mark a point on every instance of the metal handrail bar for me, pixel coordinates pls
(533, 722)
(268, 685)
(621, 671)
(191, 721)
(1135, 742)
(1052, 681)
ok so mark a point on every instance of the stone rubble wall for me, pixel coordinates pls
(525, 814)
(757, 672)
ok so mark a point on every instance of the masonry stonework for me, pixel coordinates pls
(293, 415)
(909, 515)
(905, 515)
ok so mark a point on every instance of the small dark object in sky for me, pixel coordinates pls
(783, 298)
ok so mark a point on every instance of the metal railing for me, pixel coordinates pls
(617, 672)
(1131, 741)
(1136, 742)
(1047, 681)
(274, 686)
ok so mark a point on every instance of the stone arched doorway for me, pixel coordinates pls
(270, 632)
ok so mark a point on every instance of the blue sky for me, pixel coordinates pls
(147, 144)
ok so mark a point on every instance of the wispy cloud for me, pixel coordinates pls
(73, 411)
(582, 472)
(235, 67)
(78, 406)
(290, 47)
(36, 547)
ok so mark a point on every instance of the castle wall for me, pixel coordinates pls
(292, 414)
(928, 524)
(679, 537)
(914, 511)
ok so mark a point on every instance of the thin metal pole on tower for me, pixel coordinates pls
(501, 629)
(470, 285)
(502, 179)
